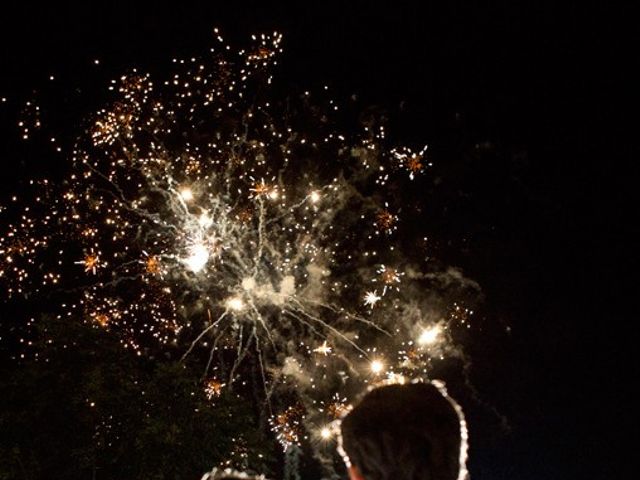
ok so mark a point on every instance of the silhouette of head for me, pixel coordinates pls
(405, 432)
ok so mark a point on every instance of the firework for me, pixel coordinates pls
(213, 388)
(288, 426)
(430, 335)
(203, 215)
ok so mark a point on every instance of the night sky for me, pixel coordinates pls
(529, 97)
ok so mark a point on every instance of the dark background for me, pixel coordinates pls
(529, 104)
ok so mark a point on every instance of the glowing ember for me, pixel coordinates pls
(152, 265)
(385, 220)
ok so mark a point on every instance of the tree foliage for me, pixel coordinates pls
(81, 406)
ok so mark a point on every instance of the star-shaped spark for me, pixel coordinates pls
(324, 349)
(91, 262)
(371, 298)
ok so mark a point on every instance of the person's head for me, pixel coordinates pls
(230, 474)
(405, 432)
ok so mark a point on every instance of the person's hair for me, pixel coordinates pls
(406, 432)
(230, 474)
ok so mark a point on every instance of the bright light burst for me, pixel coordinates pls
(209, 216)
(326, 433)
(198, 257)
(377, 366)
(235, 304)
(323, 349)
(186, 194)
(430, 335)
(371, 298)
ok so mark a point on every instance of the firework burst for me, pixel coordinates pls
(203, 214)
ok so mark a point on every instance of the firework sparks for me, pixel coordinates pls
(91, 262)
(386, 221)
(212, 218)
(371, 298)
(323, 349)
(288, 426)
(236, 304)
(337, 407)
(186, 194)
(153, 265)
(101, 319)
(315, 197)
(197, 258)
(413, 162)
(213, 388)
(430, 335)
(377, 367)
(326, 433)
